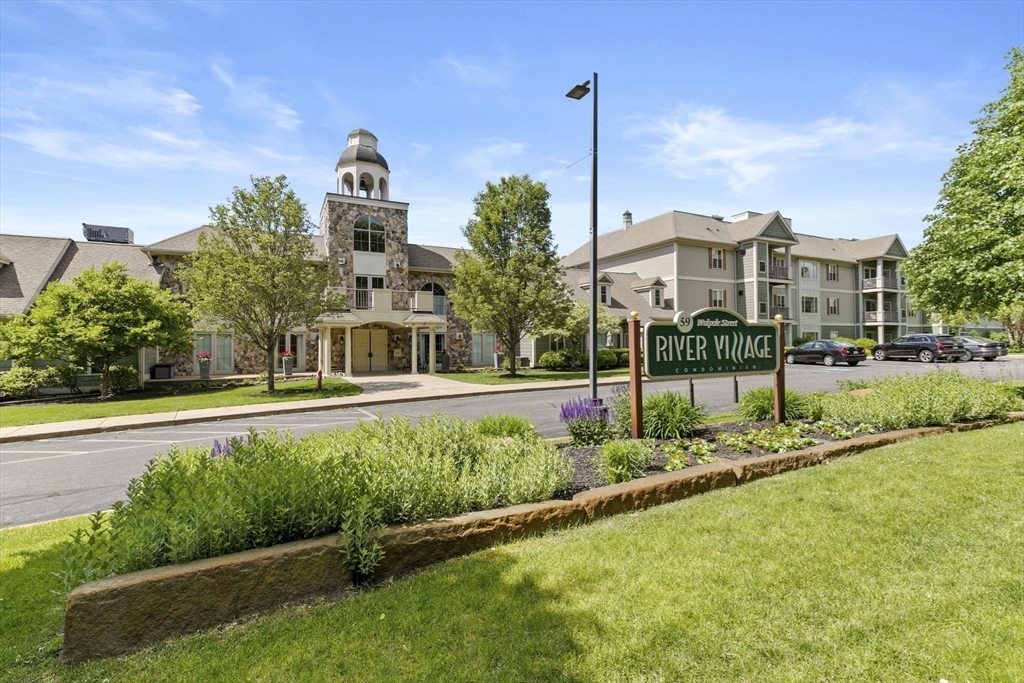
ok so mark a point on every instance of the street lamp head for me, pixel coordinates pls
(578, 92)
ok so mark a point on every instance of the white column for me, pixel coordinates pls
(415, 353)
(348, 351)
(433, 351)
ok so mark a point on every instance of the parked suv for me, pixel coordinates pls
(923, 347)
(982, 348)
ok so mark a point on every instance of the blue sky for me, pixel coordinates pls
(843, 116)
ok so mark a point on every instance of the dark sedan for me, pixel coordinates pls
(982, 348)
(924, 347)
(827, 351)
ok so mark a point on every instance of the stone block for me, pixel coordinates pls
(656, 489)
(860, 444)
(109, 617)
(411, 547)
(774, 463)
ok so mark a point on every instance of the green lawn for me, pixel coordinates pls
(524, 376)
(152, 402)
(903, 564)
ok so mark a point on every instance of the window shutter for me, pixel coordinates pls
(725, 266)
(710, 251)
(711, 294)
(725, 295)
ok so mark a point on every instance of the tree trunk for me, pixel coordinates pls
(270, 369)
(511, 351)
(1014, 329)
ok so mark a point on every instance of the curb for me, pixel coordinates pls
(275, 409)
(109, 617)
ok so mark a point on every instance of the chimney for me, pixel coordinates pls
(627, 220)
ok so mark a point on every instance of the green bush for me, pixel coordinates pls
(21, 382)
(934, 398)
(505, 425)
(759, 404)
(622, 357)
(669, 415)
(271, 488)
(868, 344)
(122, 379)
(625, 459)
(553, 360)
(63, 377)
(804, 338)
(606, 358)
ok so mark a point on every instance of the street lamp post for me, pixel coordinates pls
(578, 93)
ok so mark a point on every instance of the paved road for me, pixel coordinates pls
(54, 478)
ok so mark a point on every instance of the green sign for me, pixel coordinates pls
(713, 342)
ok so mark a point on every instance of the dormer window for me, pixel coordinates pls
(369, 235)
(656, 297)
(602, 294)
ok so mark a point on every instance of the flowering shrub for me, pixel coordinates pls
(287, 354)
(204, 355)
(586, 421)
(195, 502)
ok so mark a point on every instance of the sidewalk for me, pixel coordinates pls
(378, 389)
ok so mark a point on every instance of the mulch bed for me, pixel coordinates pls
(586, 476)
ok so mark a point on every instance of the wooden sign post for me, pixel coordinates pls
(780, 375)
(636, 400)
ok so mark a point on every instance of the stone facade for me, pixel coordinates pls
(460, 350)
(337, 221)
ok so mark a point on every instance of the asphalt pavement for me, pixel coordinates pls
(53, 478)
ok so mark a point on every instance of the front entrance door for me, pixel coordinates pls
(369, 350)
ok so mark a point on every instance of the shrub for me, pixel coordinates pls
(123, 378)
(606, 358)
(669, 415)
(553, 360)
(622, 356)
(804, 338)
(934, 398)
(63, 377)
(21, 382)
(505, 425)
(270, 488)
(868, 344)
(625, 459)
(586, 422)
(759, 404)
(620, 415)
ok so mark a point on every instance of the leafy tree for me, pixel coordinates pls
(971, 262)
(102, 316)
(510, 283)
(257, 273)
(576, 323)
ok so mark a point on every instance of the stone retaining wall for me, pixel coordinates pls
(112, 616)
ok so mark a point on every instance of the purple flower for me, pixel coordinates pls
(220, 450)
(620, 388)
(581, 409)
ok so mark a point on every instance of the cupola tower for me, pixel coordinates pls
(362, 170)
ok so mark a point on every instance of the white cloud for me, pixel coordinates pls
(134, 90)
(249, 96)
(487, 161)
(419, 151)
(473, 74)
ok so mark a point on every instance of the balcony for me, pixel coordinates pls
(779, 310)
(869, 283)
(778, 273)
(387, 305)
(881, 316)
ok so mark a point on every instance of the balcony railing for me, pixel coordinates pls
(880, 283)
(779, 310)
(394, 300)
(881, 316)
(778, 273)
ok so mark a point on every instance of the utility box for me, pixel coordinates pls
(161, 371)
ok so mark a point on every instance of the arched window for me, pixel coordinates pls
(366, 186)
(347, 185)
(440, 301)
(369, 235)
(383, 189)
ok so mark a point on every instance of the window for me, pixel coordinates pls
(295, 343)
(716, 259)
(369, 235)
(363, 293)
(440, 301)
(809, 270)
(762, 267)
(220, 348)
(832, 274)
(832, 306)
(779, 300)
(716, 298)
(655, 297)
(763, 307)
(602, 293)
(809, 304)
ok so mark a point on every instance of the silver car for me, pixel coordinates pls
(982, 348)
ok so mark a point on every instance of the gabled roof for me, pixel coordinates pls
(186, 243)
(31, 262)
(603, 278)
(770, 226)
(822, 249)
(689, 227)
(424, 257)
(81, 256)
(623, 298)
(647, 283)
